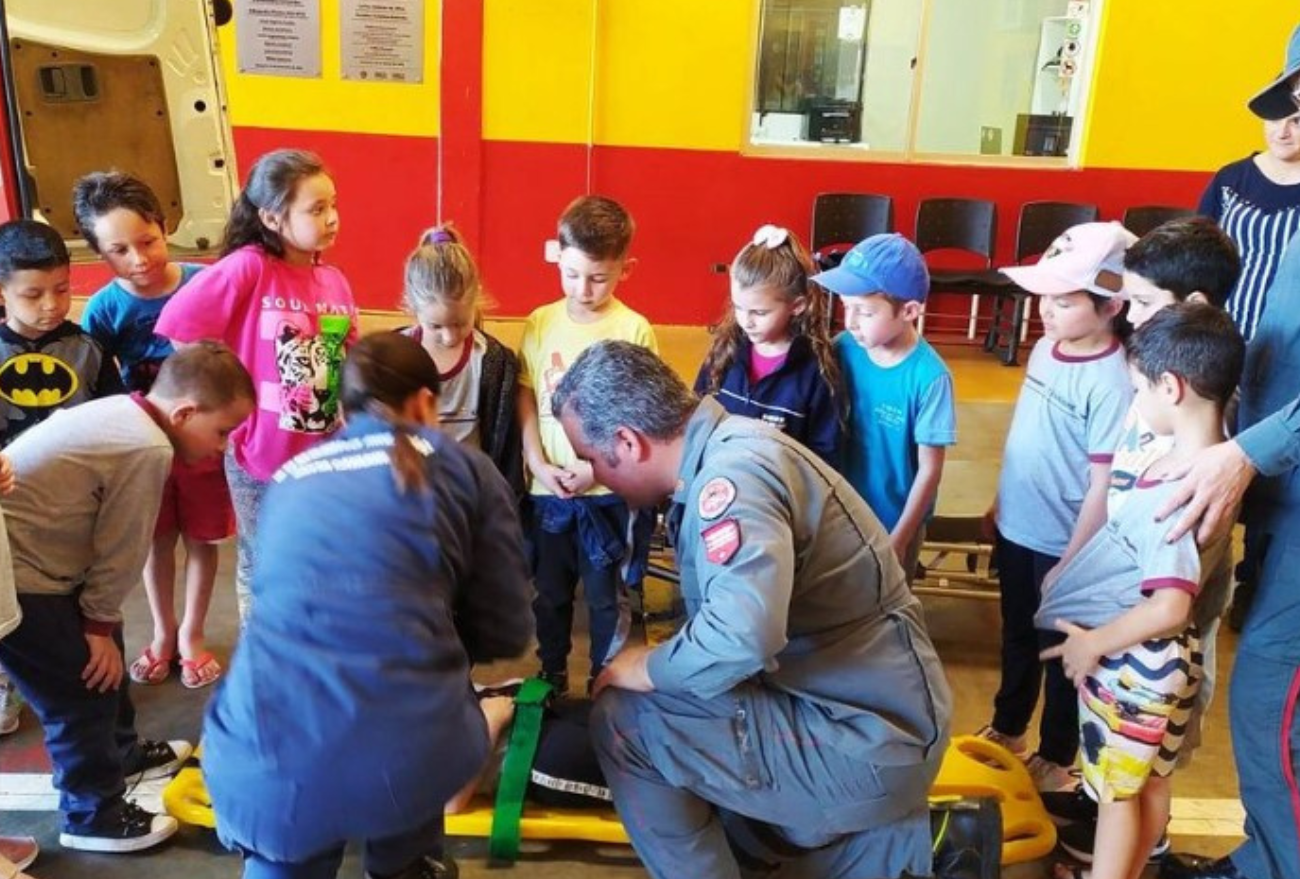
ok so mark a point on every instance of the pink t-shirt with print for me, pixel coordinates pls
(268, 311)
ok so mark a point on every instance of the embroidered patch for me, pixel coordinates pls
(716, 497)
(721, 541)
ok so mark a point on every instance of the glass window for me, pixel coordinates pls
(934, 77)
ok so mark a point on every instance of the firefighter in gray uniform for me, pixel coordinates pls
(797, 720)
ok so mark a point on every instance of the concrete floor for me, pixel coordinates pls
(965, 632)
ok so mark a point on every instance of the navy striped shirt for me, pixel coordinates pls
(1261, 217)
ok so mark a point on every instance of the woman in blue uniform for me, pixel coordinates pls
(391, 560)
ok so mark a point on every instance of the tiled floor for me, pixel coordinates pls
(965, 631)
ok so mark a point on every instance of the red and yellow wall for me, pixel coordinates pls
(528, 104)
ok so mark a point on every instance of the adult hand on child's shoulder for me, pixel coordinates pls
(8, 479)
(104, 670)
(1209, 492)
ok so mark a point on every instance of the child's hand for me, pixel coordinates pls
(555, 479)
(104, 670)
(580, 478)
(1078, 657)
(8, 479)
(989, 523)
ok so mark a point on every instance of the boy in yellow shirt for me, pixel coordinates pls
(579, 529)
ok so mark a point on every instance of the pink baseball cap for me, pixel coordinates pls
(1088, 257)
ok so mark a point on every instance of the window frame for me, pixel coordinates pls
(839, 152)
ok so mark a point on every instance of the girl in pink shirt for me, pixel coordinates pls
(288, 316)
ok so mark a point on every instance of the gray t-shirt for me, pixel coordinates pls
(1069, 416)
(1125, 561)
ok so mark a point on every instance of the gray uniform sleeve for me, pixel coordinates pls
(740, 624)
(1273, 445)
(123, 534)
(494, 610)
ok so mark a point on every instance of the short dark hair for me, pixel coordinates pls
(103, 191)
(1198, 343)
(208, 373)
(598, 226)
(27, 244)
(1186, 256)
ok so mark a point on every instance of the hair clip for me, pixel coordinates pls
(770, 236)
(438, 236)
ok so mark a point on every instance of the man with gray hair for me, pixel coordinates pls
(799, 717)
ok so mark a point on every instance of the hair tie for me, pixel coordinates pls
(770, 236)
(438, 236)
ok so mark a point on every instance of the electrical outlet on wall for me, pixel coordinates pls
(990, 140)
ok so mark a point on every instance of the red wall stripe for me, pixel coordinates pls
(461, 94)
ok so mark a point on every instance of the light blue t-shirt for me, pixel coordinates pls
(1069, 415)
(1125, 561)
(893, 409)
(122, 323)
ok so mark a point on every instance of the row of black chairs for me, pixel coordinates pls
(970, 225)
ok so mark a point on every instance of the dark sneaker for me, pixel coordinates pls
(1069, 806)
(1077, 841)
(425, 868)
(156, 760)
(132, 830)
(1193, 867)
(559, 680)
(967, 838)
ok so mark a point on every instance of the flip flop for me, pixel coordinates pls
(200, 671)
(149, 669)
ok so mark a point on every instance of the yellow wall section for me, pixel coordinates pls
(537, 69)
(674, 73)
(1173, 78)
(331, 103)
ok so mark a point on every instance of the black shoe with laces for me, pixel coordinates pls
(1069, 806)
(154, 759)
(425, 868)
(131, 829)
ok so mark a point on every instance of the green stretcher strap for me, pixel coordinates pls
(503, 843)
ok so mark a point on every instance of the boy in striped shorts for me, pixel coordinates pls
(1125, 600)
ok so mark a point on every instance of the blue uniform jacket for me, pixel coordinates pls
(348, 712)
(795, 399)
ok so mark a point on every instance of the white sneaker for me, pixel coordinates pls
(1049, 776)
(11, 705)
(1017, 745)
(134, 830)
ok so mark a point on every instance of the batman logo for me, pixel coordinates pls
(36, 381)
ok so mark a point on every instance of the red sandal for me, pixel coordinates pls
(149, 669)
(200, 671)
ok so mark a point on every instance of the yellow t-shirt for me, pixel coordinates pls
(552, 341)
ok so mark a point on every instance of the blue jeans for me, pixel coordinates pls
(383, 857)
(88, 734)
(1266, 742)
(246, 493)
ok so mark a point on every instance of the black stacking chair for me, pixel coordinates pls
(1143, 218)
(842, 219)
(965, 224)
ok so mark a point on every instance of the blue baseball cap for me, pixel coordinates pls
(888, 264)
(1275, 101)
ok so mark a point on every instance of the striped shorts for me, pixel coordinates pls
(1133, 713)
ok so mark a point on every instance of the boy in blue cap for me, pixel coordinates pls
(902, 416)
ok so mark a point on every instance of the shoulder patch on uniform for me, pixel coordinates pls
(716, 497)
(721, 541)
